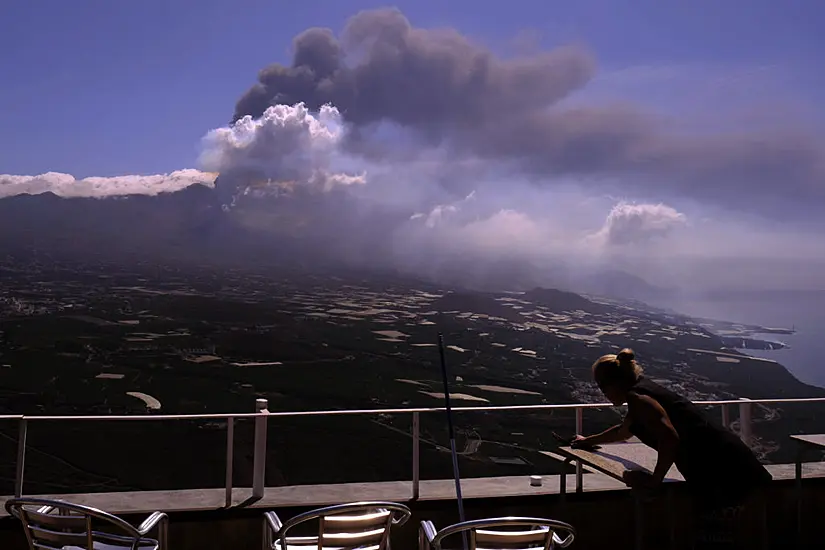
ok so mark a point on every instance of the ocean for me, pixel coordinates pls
(804, 310)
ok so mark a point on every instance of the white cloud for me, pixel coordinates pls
(287, 147)
(66, 185)
(633, 224)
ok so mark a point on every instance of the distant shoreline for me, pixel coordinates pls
(799, 316)
(741, 336)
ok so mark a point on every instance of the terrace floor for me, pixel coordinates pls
(198, 511)
(296, 496)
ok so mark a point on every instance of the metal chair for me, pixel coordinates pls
(61, 525)
(358, 525)
(485, 534)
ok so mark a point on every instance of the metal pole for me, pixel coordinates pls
(23, 430)
(579, 467)
(745, 408)
(725, 416)
(230, 458)
(259, 457)
(451, 430)
(416, 464)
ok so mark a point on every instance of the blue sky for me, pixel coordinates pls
(700, 135)
(109, 87)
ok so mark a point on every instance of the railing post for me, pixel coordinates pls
(745, 408)
(230, 458)
(579, 467)
(22, 432)
(416, 465)
(725, 415)
(259, 457)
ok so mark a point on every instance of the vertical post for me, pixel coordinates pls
(416, 465)
(798, 483)
(745, 408)
(259, 457)
(725, 416)
(230, 458)
(563, 482)
(579, 468)
(22, 432)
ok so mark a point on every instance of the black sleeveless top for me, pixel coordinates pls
(711, 458)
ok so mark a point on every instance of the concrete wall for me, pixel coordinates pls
(605, 520)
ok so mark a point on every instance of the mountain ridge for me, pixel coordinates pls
(193, 226)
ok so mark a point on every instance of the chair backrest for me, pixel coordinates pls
(511, 533)
(70, 526)
(359, 525)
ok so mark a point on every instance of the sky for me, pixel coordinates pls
(672, 136)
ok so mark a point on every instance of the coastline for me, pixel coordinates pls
(746, 337)
(768, 316)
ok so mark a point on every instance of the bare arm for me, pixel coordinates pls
(648, 412)
(619, 432)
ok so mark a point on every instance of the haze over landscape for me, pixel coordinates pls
(628, 151)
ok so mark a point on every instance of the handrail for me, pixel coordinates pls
(128, 417)
(261, 416)
(408, 410)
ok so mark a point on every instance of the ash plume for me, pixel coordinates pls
(431, 79)
(450, 92)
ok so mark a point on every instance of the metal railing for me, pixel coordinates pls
(262, 416)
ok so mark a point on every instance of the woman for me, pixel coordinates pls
(720, 471)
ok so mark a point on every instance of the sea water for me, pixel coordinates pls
(803, 310)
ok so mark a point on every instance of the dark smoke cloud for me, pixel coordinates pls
(454, 93)
(427, 79)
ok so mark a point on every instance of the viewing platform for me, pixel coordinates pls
(602, 511)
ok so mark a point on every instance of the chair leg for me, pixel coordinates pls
(163, 534)
(266, 537)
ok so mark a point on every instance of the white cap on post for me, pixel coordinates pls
(259, 453)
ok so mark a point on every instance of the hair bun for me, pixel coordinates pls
(626, 356)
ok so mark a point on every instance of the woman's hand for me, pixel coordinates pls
(639, 479)
(581, 442)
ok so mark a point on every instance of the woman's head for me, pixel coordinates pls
(616, 374)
